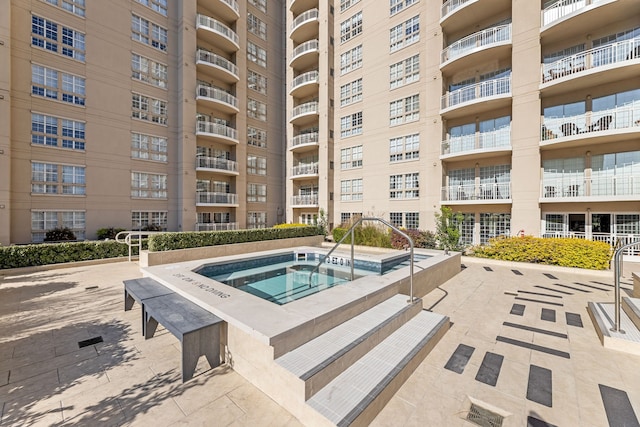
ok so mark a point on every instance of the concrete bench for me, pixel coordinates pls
(197, 329)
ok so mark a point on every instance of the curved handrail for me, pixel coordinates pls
(617, 268)
(351, 231)
(126, 238)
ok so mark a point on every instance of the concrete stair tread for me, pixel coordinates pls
(317, 353)
(344, 398)
(631, 307)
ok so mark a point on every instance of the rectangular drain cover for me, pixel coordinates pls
(484, 417)
(90, 341)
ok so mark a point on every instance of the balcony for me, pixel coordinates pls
(475, 98)
(580, 188)
(204, 198)
(227, 9)
(217, 132)
(217, 98)
(305, 84)
(592, 67)
(216, 66)
(563, 9)
(594, 127)
(304, 142)
(298, 6)
(487, 193)
(460, 55)
(304, 201)
(304, 170)
(456, 15)
(304, 113)
(217, 34)
(216, 226)
(477, 145)
(305, 55)
(215, 164)
(305, 26)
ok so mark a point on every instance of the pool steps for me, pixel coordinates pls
(350, 372)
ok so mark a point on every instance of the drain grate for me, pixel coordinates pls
(484, 417)
(90, 341)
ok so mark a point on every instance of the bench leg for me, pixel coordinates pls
(195, 344)
(150, 326)
(128, 301)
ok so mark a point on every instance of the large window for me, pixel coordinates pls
(148, 70)
(148, 185)
(256, 165)
(404, 34)
(351, 190)
(159, 6)
(57, 132)
(259, 4)
(351, 92)
(396, 6)
(404, 110)
(141, 220)
(351, 157)
(49, 178)
(257, 82)
(256, 220)
(615, 174)
(494, 225)
(148, 147)
(351, 60)
(346, 4)
(256, 26)
(149, 33)
(74, 6)
(404, 148)
(150, 109)
(351, 27)
(256, 54)
(257, 110)
(47, 82)
(404, 186)
(256, 137)
(57, 38)
(404, 72)
(43, 221)
(256, 193)
(351, 125)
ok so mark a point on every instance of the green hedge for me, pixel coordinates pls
(564, 252)
(15, 256)
(170, 241)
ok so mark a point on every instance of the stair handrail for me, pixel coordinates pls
(126, 238)
(617, 271)
(350, 231)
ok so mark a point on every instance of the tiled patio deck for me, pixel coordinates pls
(46, 379)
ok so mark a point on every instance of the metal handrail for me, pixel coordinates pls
(127, 238)
(351, 231)
(617, 268)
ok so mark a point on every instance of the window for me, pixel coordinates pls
(256, 220)
(404, 148)
(351, 92)
(404, 72)
(256, 165)
(159, 6)
(351, 27)
(141, 220)
(257, 110)
(148, 185)
(404, 110)
(494, 225)
(74, 6)
(615, 173)
(147, 147)
(257, 82)
(256, 193)
(628, 224)
(150, 109)
(57, 132)
(351, 157)
(396, 6)
(256, 54)
(256, 137)
(43, 221)
(407, 191)
(157, 37)
(46, 82)
(412, 220)
(48, 178)
(259, 4)
(256, 26)
(466, 225)
(46, 34)
(346, 4)
(351, 190)
(404, 34)
(351, 125)
(351, 60)
(148, 71)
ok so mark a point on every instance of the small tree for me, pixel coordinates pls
(447, 229)
(321, 222)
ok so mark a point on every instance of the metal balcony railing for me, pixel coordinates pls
(216, 163)
(216, 226)
(218, 27)
(216, 60)
(477, 91)
(484, 38)
(484, 191)
(451, 5)
(216, 129)
(305, 169)
(480, 141)
(307, 108)
(309, 15)
(212, 198)
(562, 8)
(305, 47)
(233, 4)
(309, 200)
(310, 77)
(217, 94)
(305, 138)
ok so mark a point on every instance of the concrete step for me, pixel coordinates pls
(631, 307)
(357, 395)
(322, 359)
(626, 339)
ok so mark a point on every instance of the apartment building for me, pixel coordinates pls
(132, 113)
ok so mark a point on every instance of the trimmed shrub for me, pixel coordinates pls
(421, 239)
(365, 235)
(108, 233)
(566, 252)
(297, 224)
(59, 234)
(185, 240)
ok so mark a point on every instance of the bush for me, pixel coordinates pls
(108, 233)
(185, 240)
(566, 252)
(60, 234)
(297, 224)
(152, 227)
(421, 239)
(365, 235)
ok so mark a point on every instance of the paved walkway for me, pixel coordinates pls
(492, 355)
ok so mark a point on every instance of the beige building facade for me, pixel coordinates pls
(225, 114)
